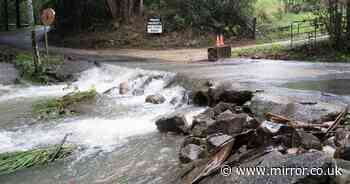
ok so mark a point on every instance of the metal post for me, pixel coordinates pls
(291, 35)
(46, 43)
(254, 28)
(6, 16)
(18, 15)
(316, 25)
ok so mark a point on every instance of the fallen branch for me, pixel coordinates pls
(337, 121)
(59, 148)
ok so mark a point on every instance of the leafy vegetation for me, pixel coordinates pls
(14, 161)
(207, 15)
(40, 74)
(61, 107)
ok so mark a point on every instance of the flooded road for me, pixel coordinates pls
(118, 140)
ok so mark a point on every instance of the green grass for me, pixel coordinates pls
(60, 107)
(323, 52)
(259, 50)
(24, 62)
(272, 18)
(15, 161)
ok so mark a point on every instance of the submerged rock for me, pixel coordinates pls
(174, 123)
(155, 99)
(123, 88)
(226, 123)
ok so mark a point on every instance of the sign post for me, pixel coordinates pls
(47, 18)
(154, 26)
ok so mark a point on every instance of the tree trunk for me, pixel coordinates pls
(141, 8)
(113, 8)
(36, 56)
(30, 12)
(6, 15)
(348, 19)
(125, 9)
(18, 14)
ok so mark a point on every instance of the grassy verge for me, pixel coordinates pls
(63, 106)
(323, 52)
(14, 161)
(43, 74)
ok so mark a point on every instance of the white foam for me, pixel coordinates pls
(102, 132)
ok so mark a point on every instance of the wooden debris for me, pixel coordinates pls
(215, 162)
(337, 121)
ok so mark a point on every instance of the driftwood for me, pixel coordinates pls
(214, 163)
(295, 124)
(336, 123)
(59, 148)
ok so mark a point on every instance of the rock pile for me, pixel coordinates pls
(228, 133)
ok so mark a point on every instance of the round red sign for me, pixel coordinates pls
(48, 16)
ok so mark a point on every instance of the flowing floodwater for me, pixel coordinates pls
(118, 141)
(334, 86)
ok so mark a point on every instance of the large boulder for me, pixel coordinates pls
(213, 96)
(276, 160)
(222, 107)
(173, 123)
(226, 123)
(155, 99)
(236, 97)
(309, 141)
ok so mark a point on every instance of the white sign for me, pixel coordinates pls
(154, 26)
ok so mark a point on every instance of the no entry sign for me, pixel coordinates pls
(48, 16)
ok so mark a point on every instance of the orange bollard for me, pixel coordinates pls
(217, 41)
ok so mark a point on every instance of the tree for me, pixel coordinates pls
(125, 9)
(335, 14)
(30, 12)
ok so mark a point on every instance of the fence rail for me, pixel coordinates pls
(308, 30)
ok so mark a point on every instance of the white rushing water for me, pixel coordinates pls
(134, 116)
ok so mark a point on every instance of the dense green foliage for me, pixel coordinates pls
(206, 15)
